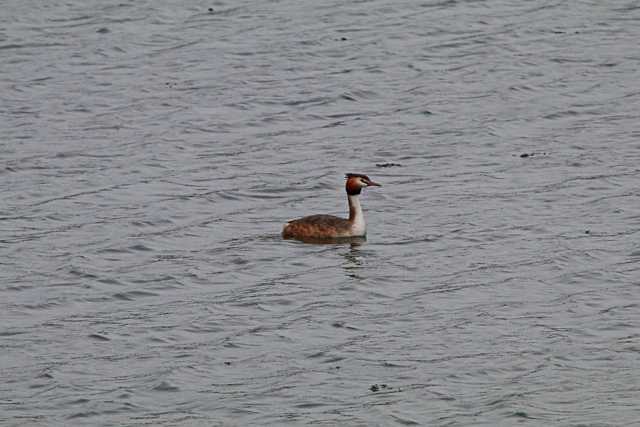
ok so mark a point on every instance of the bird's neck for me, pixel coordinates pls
(355, 210)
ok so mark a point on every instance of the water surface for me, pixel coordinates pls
(151, 152)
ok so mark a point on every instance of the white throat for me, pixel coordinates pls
(358, 226)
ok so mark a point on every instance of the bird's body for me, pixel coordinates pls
(329, 227)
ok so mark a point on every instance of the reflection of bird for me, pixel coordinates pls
(329, 226)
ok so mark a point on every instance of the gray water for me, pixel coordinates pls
(152, 150)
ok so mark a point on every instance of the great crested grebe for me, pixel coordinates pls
(328, 227)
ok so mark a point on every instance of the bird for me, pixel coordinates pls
(329, 227)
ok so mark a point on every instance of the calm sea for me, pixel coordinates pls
(150, 152)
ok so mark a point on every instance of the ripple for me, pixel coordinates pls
(99, 337)
(133, 295)
(166, 386)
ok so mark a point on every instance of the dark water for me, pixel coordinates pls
(152, 150)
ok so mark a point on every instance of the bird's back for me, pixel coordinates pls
(317, 227)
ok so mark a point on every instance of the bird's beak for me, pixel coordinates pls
(374, 184)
